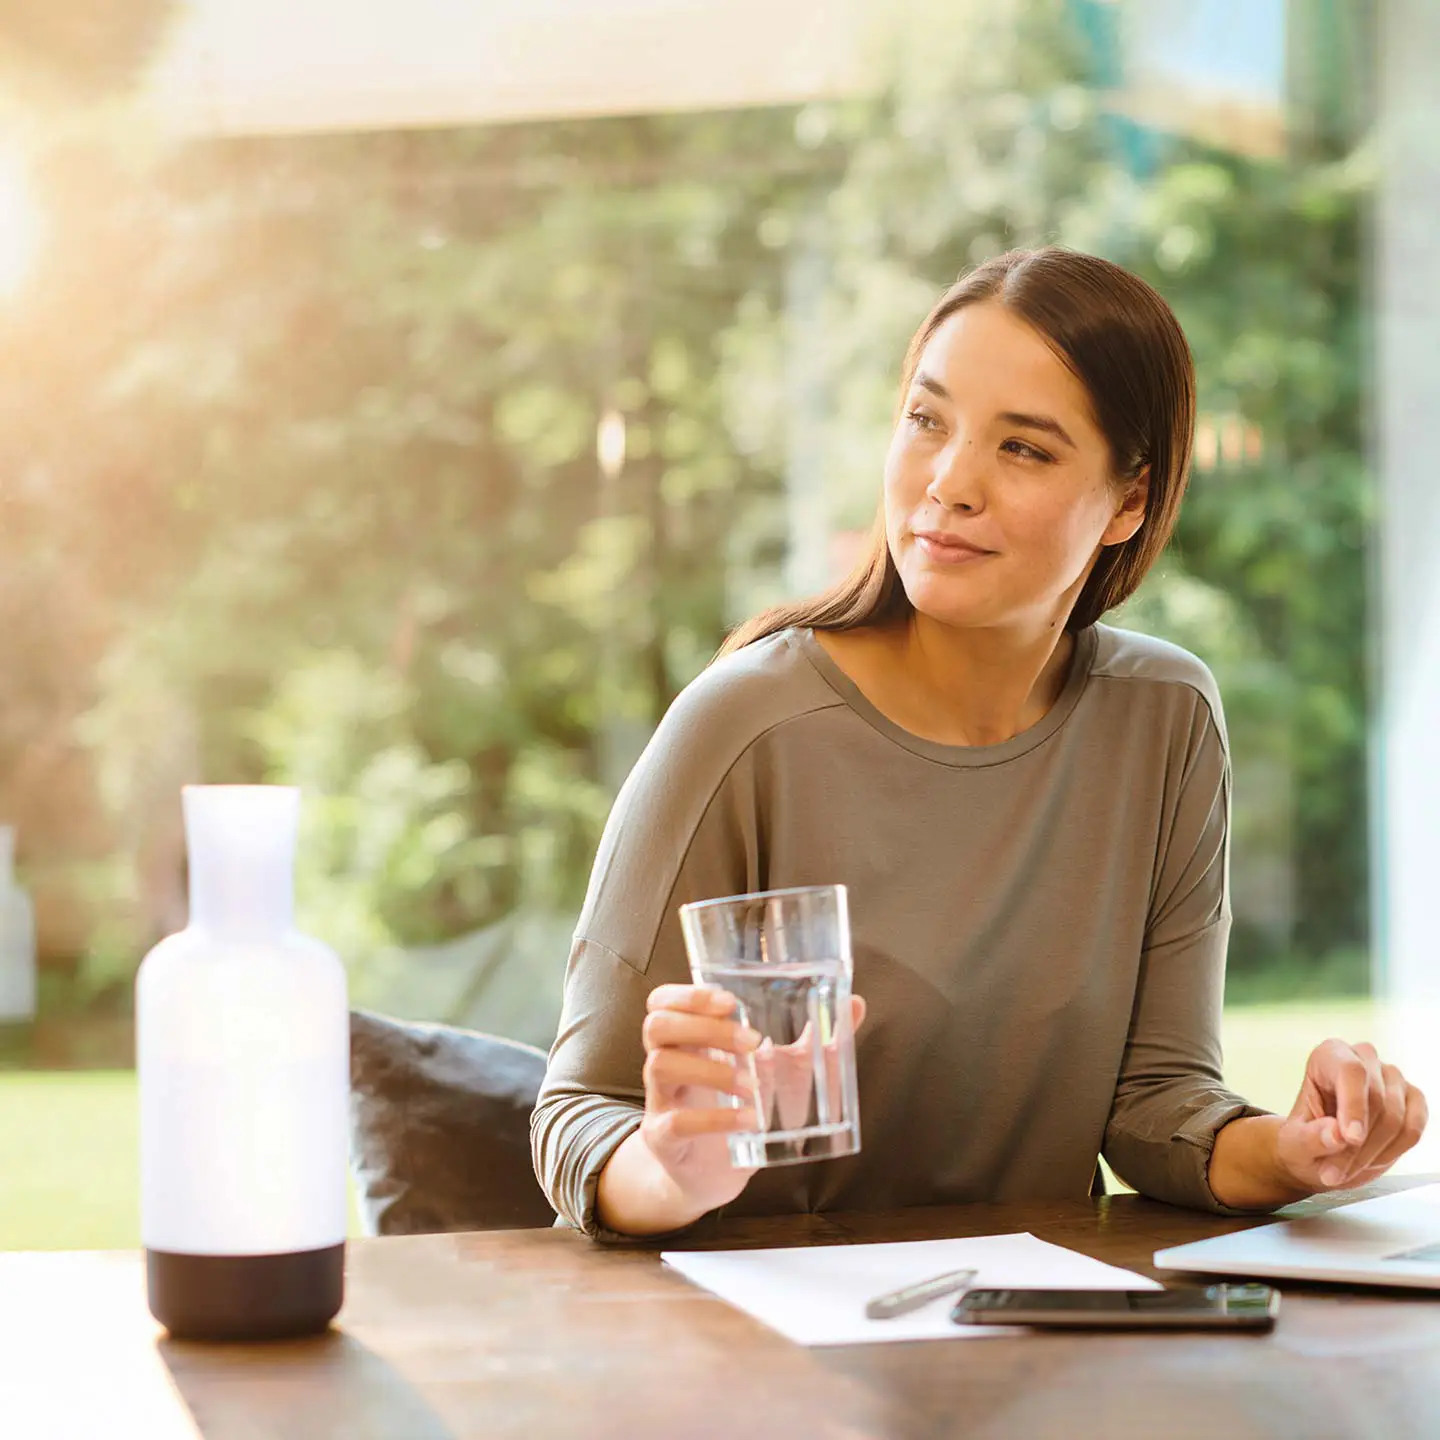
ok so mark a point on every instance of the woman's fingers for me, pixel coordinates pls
(1309, 1147)
(1416, 1116)
(1320, 1138)
(1351, 1076)
(1355, 1117)
(672, 1127)
(1387, 1119)
(664, 1028)
(669, 1071)
(691, 1053)
(1408, 1118)
(694, 999)
(695, 1043)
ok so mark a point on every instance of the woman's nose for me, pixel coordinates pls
(958, 482)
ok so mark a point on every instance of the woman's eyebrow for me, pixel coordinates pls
(1038, 422)
(1046, 423)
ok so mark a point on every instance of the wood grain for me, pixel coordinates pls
(539, 1333)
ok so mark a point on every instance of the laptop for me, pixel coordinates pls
(1394, 1240)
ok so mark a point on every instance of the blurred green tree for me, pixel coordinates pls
(422, 469)
(1264, 262)
(990, 135)
(346, 524)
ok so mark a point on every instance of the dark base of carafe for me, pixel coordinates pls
(246, 1297)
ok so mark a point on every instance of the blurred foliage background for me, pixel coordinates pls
(422, 469)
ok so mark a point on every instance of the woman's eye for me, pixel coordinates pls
(921, 421)
(1026, 452)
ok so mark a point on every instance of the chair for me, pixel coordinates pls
(440, 1128)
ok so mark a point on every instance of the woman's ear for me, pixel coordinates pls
(1128, 519)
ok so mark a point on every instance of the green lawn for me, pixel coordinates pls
(68, 1156)
(70, 1162)
(1266, 1045)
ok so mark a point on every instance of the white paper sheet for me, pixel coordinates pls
(816, 1294)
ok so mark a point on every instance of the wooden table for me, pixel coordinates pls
(538, 1333)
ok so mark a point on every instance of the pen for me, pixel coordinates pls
(912, 1297)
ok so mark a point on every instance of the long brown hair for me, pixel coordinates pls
(1127, 349)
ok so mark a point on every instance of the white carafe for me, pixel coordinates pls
(242, 1045)
(17, 940)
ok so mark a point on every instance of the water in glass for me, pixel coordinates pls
(786, 961)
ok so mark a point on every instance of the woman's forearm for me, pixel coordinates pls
(1245, 1172)
(637, 1196)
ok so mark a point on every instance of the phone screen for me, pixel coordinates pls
(1218, 1306)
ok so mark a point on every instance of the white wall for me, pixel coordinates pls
(1407, 818)
(258, 66)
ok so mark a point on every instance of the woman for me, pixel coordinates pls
(1030, 811)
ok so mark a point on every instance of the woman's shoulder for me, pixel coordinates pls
(1129, 655)
(658, 824)
(719, 716)
(708, 729)
(747, 693)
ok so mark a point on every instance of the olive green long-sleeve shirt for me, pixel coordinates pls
(1038, 927)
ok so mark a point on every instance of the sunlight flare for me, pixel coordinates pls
(19, 226)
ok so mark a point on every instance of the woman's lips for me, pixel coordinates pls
(948, 549)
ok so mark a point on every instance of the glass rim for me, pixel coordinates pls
(695, 905)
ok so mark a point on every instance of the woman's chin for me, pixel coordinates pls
(944, 602)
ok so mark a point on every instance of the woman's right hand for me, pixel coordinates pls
(695, 1051)
(676, 1167)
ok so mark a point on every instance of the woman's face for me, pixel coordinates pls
(998, 486)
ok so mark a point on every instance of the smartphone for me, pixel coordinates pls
(1215, 1307)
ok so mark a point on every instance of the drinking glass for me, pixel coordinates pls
(785, 957)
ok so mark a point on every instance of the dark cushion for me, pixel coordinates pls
(440, 1128)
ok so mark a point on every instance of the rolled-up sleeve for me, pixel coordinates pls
(683, 828)
(1170, 1099)
(594, 1094)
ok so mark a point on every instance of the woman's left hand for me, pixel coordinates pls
(1354, 1118)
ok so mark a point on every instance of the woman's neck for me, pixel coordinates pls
(955, 686)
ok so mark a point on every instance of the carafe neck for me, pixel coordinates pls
(241, 843)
